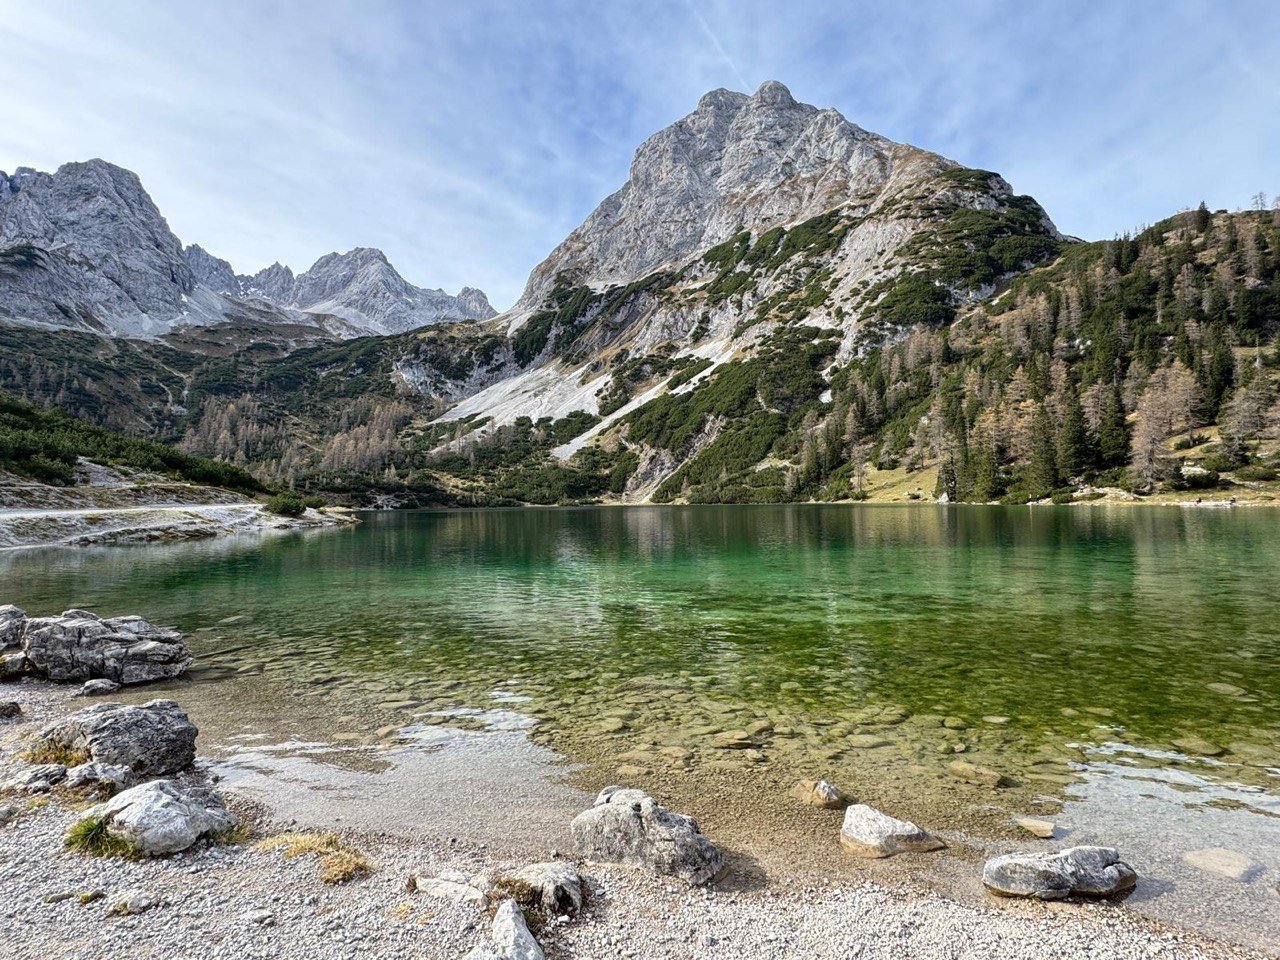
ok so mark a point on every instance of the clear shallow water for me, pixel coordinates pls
(838, 639)
(1128, 612)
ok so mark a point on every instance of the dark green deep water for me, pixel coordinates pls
(1125, 613)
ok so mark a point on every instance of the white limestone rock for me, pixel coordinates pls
(866, 832)
(629, 826)
(160, 817)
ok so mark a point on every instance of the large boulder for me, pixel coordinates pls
(509, 937)
(867, 832)
(1074, 872)
(160, 817)
(152, 740)
(629, 826)
(79, 645)
(12, 621)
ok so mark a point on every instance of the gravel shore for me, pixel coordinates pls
(242, 901)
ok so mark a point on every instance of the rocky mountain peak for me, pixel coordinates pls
(738, 160)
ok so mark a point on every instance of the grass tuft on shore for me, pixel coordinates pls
(55, 753)
(91, 836)
(339, 862)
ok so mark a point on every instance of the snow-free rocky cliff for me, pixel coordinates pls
(753, 211)
(85, 248)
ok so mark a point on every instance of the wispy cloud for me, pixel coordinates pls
(467, 139)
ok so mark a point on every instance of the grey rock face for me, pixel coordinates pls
(160, 817)
(1074, 872)
(210, 271)
(736, 162)
(85, 247)
(629, 826)
(866, 832)
(79, 645)
(362, 287)
(151, 740)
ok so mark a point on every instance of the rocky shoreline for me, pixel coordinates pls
(204, 870)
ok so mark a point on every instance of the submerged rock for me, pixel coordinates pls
(79, 645)
(1037, 827)
(981, 776)
(161, 817)
(151, 740)
(1074, 872)
(867, 832)
(819, 793)
(629, 826)
(509, 937)
(1222, 862)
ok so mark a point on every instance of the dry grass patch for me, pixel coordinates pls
(339, 863)
(55, 753)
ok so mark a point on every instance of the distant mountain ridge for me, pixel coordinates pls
(85, 248)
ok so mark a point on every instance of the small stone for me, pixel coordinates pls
(7, 814)
(612, 725)
(451, 885)
(1199, 745)
(866, 741)
(261, 918)
(867, 832)
(972, 773)
(733, 740)
(954, 723)
(819, 793)
(1037, 827)
(1222, 862)
(550, 889)
(10, 709)
(132, 903)
(1226, 689)
(995, 720)
(97, 688)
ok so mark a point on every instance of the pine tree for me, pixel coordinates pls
(1203, 218)
(1073, 439)
(1113, 430)
(1042, 469)
(986, 475)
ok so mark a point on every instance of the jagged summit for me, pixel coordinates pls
(738, 160)
(86, 248)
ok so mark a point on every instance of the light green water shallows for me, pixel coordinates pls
(816, 624)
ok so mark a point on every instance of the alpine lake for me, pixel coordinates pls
(1113, 669)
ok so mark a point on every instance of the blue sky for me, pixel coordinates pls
(466, 139)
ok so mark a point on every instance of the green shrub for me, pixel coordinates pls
(1257, 472)
(287, 505)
